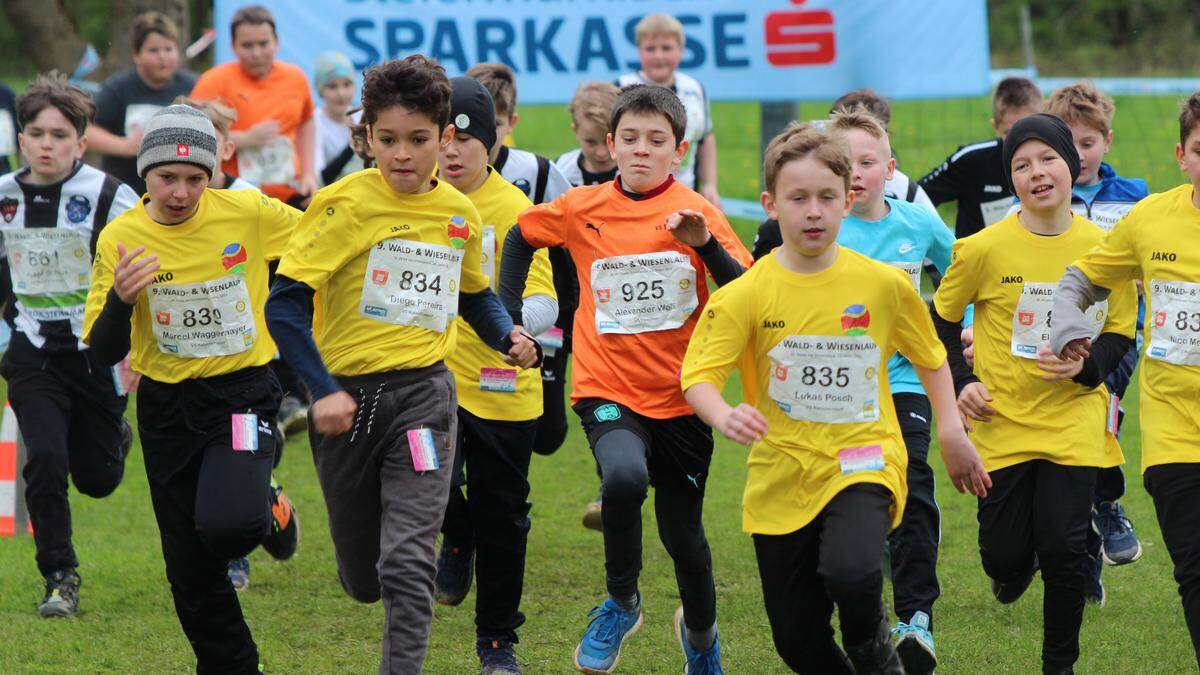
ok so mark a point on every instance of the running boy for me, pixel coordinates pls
(660, 40)
(901, 234)
(392, 256)
(67, 405)
(1153, 243)
(1103, 197)
(179, 284)
(973, 176)
(827, 466)
(1040, 422)
(642, 246)
(498, 406)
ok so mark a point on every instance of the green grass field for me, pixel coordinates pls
(304, 623)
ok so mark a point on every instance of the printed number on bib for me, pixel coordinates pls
(411, 283)
(48, 261)
(912, 269)
(833, 380)
(1031, 321)
(267, 164)
(643, 293)
(207, 318)
(1175, 324)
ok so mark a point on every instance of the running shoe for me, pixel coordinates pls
(284, 538)
(62, 594)
(707, 662)
(1119, 544)
(914, 644)
(455, 567)
(239, 573)
(496, 657)
(600, 649)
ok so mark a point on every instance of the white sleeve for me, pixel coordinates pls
(556, 183)
(123, 200)
(921, 198)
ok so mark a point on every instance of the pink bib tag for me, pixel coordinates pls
(424, 452)
(245, 432)
(498, 379)
(866, 458)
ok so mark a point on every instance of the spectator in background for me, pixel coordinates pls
(334, 76)
(275, 132)
(129, 98)
(8, 130)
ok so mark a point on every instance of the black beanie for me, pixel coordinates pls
(472, 111)
(1048, 129)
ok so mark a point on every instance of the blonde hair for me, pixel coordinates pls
(857, 117)
(501, 83)
(222, 116)
(593, 102)
(1082, 103)
(800, 141)
(659, 24)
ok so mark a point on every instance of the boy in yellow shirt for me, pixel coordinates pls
(498, 406)
(1041, 423)
(388, 258)
(827, 465)
(1155, 243)
(179, 283)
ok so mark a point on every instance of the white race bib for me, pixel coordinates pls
(833, 380)
(48, 260)
(411, 283)
(1031, 321)
(1106, 215)
(137, 115)
(487, 256)
(268, 164)
(202, 319)
(994, 210)
(643, 293)
(1175, 325)
(912, 269)
(8, 135)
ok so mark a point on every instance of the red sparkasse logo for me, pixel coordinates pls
(183, 150)
(800, 37)
(379, 277)
(163, 318)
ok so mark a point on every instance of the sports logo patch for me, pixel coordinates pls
(233, 258)
(856, 320)
(163, 318)
(458, 231)
(523, 184)
(608, 413)
(78, 208)
(8, 209)
(379, 277)
(183, 150)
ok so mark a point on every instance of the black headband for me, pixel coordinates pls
(1045, 128)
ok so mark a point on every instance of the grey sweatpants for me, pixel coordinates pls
(383, 515)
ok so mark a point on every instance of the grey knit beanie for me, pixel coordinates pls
(178, 134)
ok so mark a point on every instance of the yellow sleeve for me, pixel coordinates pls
(912, 329)
(473, 280)
(1122, 311)
(1115, 259)
(720, 340)
(276, 223)
(102, 282)
(961, 282)
(541, 277)
(325, 238)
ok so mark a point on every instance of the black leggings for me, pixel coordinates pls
(832, 560)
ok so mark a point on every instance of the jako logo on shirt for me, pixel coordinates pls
(233, 258)
(856, 320)
(458, 231)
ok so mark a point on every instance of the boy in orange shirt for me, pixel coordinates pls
(275, 133)
(641, 247)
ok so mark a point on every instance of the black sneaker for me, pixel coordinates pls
(496, 657)
(293, 415)
(62, 594)
(126, 438)
(284, 538)
(239, 573)
(455, 566)
(1010, 592)
(877, 655)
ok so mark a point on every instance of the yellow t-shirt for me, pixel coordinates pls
(1156, 242)
(1010, 274)
(387, 269)
(203, 316)
(487, 386)
(819, 344)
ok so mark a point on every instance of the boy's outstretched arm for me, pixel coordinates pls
(961, 458)
(743, 424)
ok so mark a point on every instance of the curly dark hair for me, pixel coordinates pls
(52, 90)
(415, 83)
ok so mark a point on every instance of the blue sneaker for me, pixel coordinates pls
(600, 649)
(1119, 544)
(1093, 590)
(914, 644)
(697, 663)
(239, 573)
